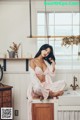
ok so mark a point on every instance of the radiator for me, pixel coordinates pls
(68, 115)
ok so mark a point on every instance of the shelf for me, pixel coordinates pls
(15, 58)
(47, 36)
(5, 61)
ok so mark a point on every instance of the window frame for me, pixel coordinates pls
(72, 25)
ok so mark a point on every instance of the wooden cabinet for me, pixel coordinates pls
(6, 96)
(42, 111)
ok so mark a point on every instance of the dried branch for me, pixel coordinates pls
(15, 47)
(71, 40)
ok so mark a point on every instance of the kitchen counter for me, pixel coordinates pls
(67, 104)
(44, 101)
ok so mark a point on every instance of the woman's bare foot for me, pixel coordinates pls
(59, 93)
(41, 98)
(37, 96)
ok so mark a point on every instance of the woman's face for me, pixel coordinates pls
(45, 52)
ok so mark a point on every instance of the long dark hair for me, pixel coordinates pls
(51, 54)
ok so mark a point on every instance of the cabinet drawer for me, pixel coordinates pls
(7, 93)
(7, 99)
(0, 100)
(7, 104)
(0, 94)
(0, 104)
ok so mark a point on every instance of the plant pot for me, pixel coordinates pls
(11, 54)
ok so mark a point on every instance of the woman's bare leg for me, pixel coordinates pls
(55, 94)
(36, 95)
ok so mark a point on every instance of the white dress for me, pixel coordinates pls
(44, 87)
(48, 85)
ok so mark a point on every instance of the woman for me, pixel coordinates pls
(42, 67)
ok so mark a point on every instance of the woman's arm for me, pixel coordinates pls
(40, 77)
(51, 67)
(52, 64)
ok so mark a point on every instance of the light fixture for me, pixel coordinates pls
(71, 40)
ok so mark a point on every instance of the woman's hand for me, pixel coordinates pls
(53, 64)
(51, 60)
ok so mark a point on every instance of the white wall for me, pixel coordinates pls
(14, 26)
(14, 23)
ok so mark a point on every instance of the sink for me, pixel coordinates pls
(71, 93)
(70, 97)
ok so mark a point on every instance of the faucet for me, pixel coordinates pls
(74, 86)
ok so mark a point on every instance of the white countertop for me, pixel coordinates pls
(44, 101)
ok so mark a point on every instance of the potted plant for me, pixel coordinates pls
(14, 52)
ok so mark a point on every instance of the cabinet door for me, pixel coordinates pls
(42, 111)
(0, 98)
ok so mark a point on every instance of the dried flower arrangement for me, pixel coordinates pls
(14, 52)
(15, 47)
(71, 40)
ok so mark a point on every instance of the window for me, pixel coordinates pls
(59, 24)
